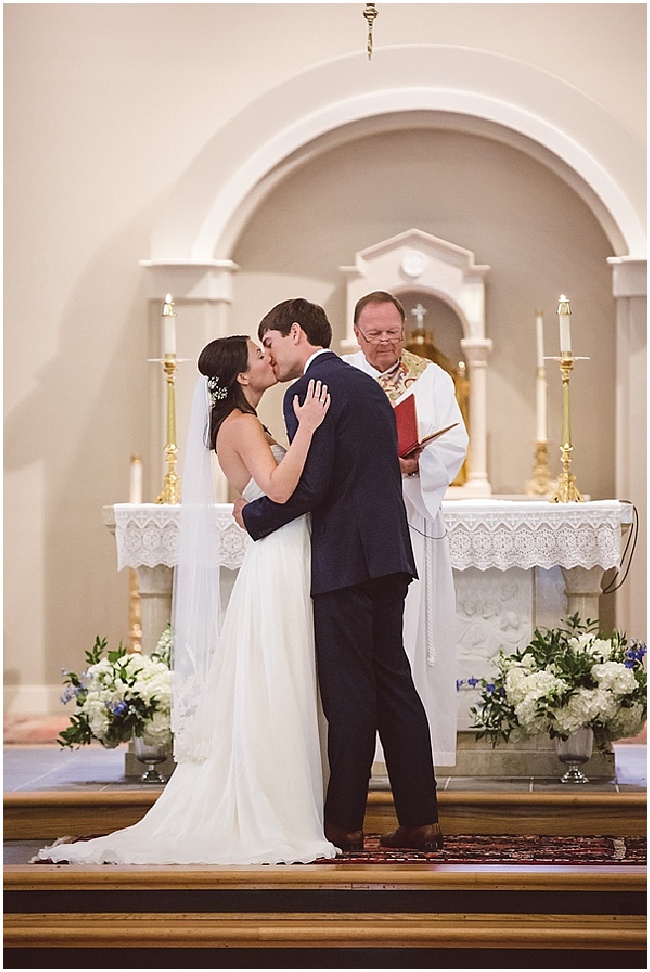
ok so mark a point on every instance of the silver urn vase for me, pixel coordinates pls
(575, 750)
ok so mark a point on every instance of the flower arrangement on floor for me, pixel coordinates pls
(566, 678)
(119, 695)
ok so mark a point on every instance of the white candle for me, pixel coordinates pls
(564, 311)
(169, 327)
(540, 339)
(135, 480)
(541, 408)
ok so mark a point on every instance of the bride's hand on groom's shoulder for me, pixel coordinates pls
(237, 508)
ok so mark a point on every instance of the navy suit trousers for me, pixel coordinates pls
(366, 685)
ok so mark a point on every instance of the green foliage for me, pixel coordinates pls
(120, 694)
(566, 677)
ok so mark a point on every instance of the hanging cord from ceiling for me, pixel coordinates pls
(370, 13)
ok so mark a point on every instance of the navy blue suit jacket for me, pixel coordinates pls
(351, 483)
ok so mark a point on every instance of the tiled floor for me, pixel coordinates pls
(47, 767)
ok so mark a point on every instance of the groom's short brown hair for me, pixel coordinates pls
(311, 318)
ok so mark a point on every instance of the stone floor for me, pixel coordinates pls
(34, 767)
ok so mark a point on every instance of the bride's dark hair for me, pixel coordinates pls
(221, 361)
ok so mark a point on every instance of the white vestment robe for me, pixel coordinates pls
(430, 612)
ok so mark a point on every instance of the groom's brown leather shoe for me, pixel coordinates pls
(346, 840)
(426, 838)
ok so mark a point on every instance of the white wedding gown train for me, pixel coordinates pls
(258, 797)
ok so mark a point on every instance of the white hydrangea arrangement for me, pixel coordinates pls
(566, 678)
(118, 696)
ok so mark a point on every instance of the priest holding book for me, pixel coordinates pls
(433, 444)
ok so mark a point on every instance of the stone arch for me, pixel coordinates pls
(335, 101)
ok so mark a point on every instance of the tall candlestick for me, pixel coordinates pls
(566, 491)
(540, 339)
(541, 405)
(540, 484)
(169, 327)
(135, 608)
(171, 486)
(564, 312)
(135, 480)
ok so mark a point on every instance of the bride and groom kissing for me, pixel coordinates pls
(321, 589)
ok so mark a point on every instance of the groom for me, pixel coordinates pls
(361, 566)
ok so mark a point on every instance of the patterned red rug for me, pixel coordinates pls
(479, 849)
(486, 849)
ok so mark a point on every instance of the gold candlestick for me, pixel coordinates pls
(541, 484)
(172, 485)
(567, 491)
(135, 609)
(171, 492)
(135, 614)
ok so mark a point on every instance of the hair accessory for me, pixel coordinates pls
(217, 392)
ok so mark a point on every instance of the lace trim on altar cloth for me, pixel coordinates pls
(585, 535)
(147, 535)
(481, 534)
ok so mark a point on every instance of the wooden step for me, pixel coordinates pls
(336, 906)
(44, 815)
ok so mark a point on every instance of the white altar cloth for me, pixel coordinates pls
(482, 533)
(146, 534)
(518, 564)
(535, 533)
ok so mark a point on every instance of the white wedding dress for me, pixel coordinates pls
(258, 796)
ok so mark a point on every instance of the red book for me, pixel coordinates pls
(408, 438)
(407, 426)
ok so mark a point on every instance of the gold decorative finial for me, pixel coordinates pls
(370, 13)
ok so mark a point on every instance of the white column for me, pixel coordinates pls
(476, 351)
(155, 585)
(629, 287)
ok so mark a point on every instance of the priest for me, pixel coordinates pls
(430, 613)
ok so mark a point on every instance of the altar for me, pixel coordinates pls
(518, 565)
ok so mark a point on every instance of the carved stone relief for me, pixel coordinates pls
(499, 610)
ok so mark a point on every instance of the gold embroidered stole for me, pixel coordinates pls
(407, 370)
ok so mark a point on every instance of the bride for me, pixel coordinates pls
(247, 788)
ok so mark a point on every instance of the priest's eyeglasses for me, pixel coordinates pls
(392, 336)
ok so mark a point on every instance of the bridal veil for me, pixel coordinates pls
(196, 599)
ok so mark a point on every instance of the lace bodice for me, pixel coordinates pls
(252, 490)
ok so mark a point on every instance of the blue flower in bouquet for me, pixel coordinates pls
(119, 695)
